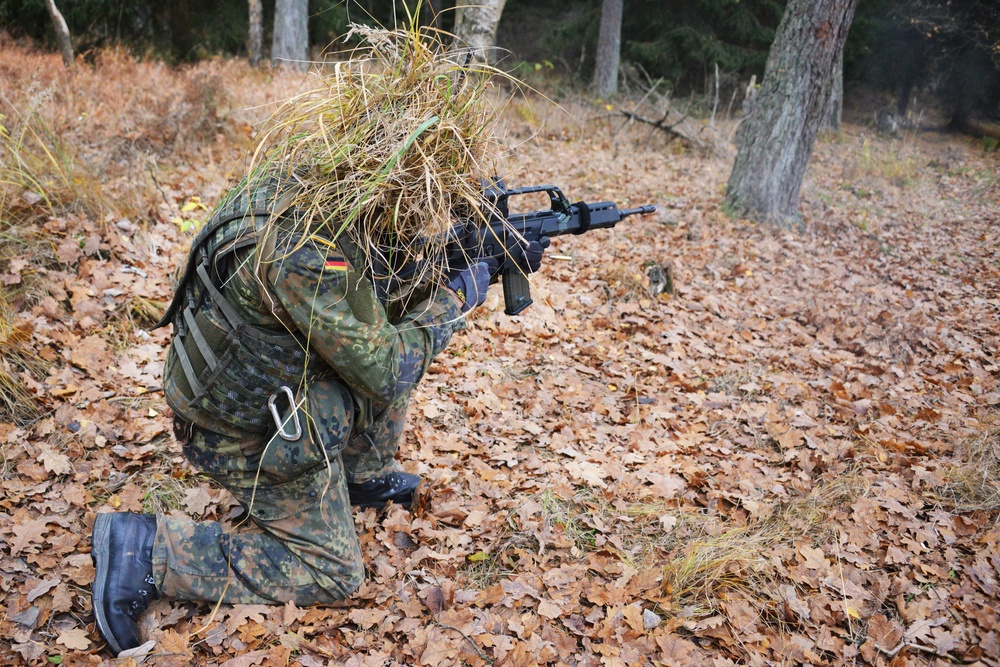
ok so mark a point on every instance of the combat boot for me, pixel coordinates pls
(395, 487)
(122, 550)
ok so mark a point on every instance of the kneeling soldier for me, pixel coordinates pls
(259, 309)
(291, 367)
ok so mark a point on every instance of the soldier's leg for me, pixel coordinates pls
(306, 551)
(370, 452)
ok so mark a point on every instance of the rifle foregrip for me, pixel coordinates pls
(516, 291)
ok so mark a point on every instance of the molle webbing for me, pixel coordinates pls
(234, 224)
(220, 369)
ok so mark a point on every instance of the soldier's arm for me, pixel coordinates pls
(335, 307)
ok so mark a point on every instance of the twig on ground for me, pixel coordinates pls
(468, 639)
(152, 175)
(892, 653)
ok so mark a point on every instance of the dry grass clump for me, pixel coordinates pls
(972, 479)
(719, 562)
(897, 163)
(38, 178)
(16, 402)
(87, 144)
(122, 119)
(712, 566)
(388, 147)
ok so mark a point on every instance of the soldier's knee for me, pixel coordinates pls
(343, 574)
(355, 577)
(345, 583)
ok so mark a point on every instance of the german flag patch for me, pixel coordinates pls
(335, 265)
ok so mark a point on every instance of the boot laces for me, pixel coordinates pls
(394, 482)
(139, 604)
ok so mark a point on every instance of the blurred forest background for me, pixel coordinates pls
(937, 51)
(709, 442)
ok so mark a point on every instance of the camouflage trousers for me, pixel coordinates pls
(301, 544)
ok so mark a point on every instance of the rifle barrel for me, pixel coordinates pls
(636, 211)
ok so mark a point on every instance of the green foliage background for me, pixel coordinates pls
(677, 40)
(895, 46)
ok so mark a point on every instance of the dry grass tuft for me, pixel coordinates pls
(16, 402)
(719, 562)
(712, 566)
(38, 179)
(38, 175)
(972, 479)
(896, 163)
(135, 313)
(387, 148)
(626, 282)
(573, 517)
(73, 145)
(164, 493)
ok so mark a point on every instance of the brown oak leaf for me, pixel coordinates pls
(74, 638)
(56, 463)
(27, 533)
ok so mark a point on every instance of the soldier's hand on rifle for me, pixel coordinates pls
(470, 284)
(533, 254)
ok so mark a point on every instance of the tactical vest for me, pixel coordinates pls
(221, 371)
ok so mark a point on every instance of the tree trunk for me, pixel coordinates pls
(290, 47)
(62, 33)
(608, 48)
(835, 107)
(255, 36)
(476, 26)
(182, 38)
(775, 140)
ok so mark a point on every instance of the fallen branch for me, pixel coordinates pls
(674, 130)
(662, 124)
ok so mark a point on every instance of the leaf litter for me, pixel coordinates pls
(791, 459)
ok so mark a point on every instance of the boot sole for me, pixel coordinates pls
(100, 553)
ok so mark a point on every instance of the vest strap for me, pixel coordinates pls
(219, 300)
(199, 339)
(192, 378)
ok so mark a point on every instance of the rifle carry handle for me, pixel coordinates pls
(516, 290)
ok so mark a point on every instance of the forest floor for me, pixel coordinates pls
(794, 458)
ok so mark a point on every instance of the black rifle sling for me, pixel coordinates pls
(584, 216)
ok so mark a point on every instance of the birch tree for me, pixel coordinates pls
(62, 32)
(290, 47)
(255, 35)
(476, 25)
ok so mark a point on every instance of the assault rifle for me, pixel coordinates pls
(504, 236)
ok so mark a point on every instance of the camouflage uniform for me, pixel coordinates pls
(359, 370)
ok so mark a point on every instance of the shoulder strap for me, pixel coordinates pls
(260, 216)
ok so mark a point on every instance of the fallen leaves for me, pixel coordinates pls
(28, 533)
(56, 463)
(74, 639)
(91, 354)
(767, 466)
